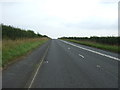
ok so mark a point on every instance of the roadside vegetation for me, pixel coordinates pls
(106, 43)
(13, 33)
(17, 42)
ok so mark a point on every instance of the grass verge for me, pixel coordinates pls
(112, 48)
(12, 49)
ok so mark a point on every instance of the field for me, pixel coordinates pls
(112, 48)
(12, 49)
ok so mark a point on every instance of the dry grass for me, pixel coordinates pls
(12, 49)
(13, 43)
(0, 45)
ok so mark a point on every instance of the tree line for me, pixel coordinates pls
(10, 32)
(112, 40)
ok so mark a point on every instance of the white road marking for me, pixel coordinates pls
(108, 56)
(98, 66)
(45, 61)
(68, 48)
(35, 74)
(38, 69)
(81, 55)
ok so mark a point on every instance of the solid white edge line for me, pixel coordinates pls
(35, 74)
(38, 69)
(92, 51)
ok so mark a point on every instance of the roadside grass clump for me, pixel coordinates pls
(112, 48)
(12, 49)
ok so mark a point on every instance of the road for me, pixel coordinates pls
(58, 64)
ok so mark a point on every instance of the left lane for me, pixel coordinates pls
(19, 73)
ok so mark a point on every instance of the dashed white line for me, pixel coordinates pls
(46, 61)
(68, 48)
(98, 66)
(81, 55)
(108, 56)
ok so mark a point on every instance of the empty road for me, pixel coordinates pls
(61, 64)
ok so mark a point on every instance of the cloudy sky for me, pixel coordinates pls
(58, 18)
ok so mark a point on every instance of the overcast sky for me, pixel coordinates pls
(58, 18)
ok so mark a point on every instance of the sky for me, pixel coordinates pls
(59, 18)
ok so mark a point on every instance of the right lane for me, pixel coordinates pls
(71, 67)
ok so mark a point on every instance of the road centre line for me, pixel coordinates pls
(108, 56)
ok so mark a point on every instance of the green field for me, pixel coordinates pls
(112, 48)
(12, 49)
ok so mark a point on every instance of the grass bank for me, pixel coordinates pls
(12, 49)
(112, 48)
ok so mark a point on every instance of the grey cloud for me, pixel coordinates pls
(30, 16)
(94, 25)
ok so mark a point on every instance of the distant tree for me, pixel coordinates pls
(9, 32)
(105, 40)
(39, 35)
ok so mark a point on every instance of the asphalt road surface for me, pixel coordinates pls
(61, 64)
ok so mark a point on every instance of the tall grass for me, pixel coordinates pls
(11, 49)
